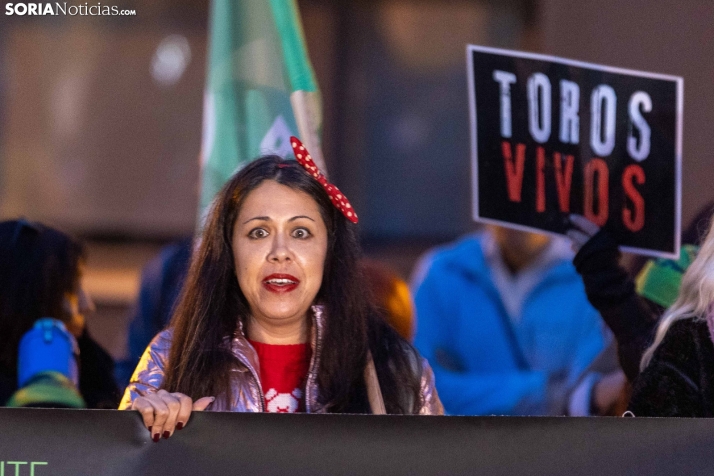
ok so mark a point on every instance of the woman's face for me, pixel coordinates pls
(279, 247)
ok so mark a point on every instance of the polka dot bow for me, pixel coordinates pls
(338, 198)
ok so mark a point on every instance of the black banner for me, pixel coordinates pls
(552, 136)
(107, 442)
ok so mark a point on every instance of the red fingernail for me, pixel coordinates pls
(156, 438)
(167, 434)
(179, 425)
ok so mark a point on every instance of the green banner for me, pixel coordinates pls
(257, 60)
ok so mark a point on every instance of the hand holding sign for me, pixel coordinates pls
(552, 136)
(582, 230)
(165, 412)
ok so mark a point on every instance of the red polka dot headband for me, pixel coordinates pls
(338, 198)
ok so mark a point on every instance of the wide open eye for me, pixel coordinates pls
(257, 233)
(301, 233)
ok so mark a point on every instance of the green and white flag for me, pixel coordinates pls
(260, 90)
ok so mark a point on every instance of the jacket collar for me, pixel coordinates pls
(247, 355)
(317, 334)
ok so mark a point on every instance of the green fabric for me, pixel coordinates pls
(660, 279)
(287, 20)
(253, 67)
(47, 389)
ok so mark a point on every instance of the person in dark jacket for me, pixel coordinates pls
(677, 377)
(611, 291)
(40, 277)
(631, 308)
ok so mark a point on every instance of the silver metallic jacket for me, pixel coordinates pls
(246, 388)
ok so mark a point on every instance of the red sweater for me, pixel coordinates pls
(283, 370)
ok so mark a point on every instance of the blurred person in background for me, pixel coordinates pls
(275, 316)
(677, 376)
(161, 281)
(503, 319)
(41, 277)
(391, 296)
(47, 373)
(631, 308)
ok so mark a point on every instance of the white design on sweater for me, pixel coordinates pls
(283, 402)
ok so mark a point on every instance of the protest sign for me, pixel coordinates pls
(552, 136)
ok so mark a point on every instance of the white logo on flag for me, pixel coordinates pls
(277, 139)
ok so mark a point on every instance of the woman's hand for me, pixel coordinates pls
(164, 412)
(582, 230)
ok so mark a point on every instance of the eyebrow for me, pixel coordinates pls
(269, 219)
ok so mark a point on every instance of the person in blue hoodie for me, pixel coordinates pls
(503, 319)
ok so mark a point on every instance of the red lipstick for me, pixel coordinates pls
(280, 283)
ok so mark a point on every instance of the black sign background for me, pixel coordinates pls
(112, 442)
(659, 236)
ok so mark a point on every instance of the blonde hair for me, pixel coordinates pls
(696, 294)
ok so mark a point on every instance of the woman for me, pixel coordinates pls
(40, 277)
(632, 308)
(274, 314)
(677, 377)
